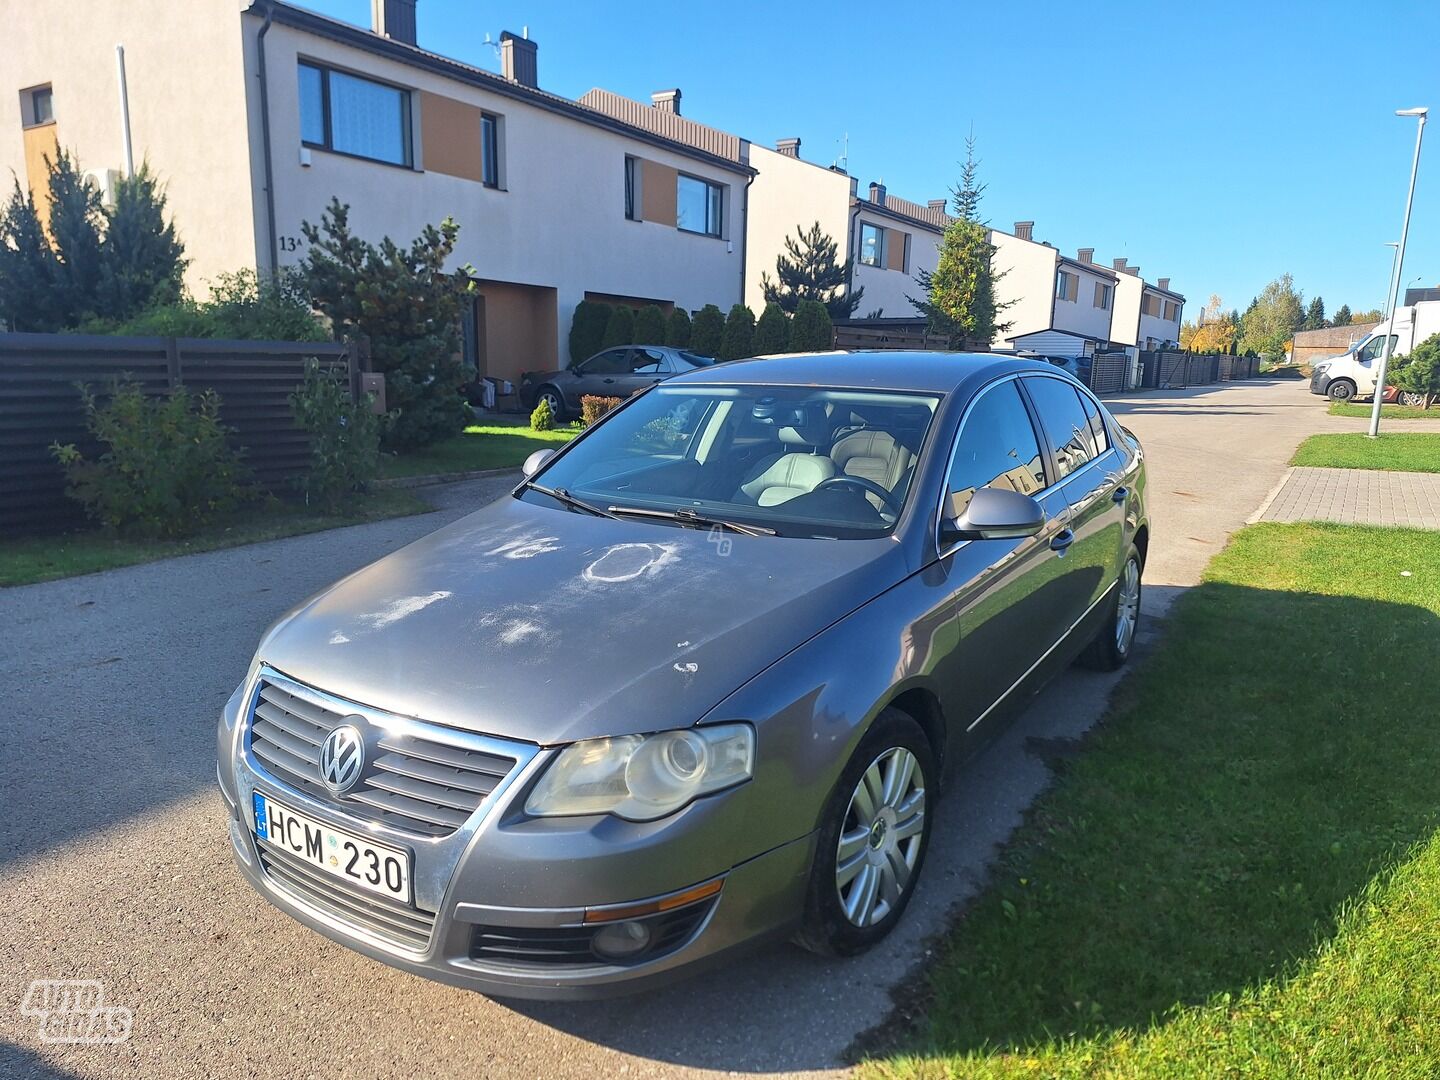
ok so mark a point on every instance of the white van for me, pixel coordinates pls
(1351, 375)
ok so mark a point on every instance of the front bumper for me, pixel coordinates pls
(1319, 382)
(528, 884)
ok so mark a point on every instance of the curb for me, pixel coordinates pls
(1270, 498)
(432, 479)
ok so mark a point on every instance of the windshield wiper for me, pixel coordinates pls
(561, 495)
(686, 516)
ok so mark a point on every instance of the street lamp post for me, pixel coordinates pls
(1421, 113)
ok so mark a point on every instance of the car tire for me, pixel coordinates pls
(1116, 640)
(896, 833)
(1341, 390)
(557, 403)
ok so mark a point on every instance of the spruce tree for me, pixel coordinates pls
(738, 341)
(650, 326)
(29, 270)
(141, 259)
(809, 270)
(772, 331)
(707, 330)
(75, 227)
(1315, 315)
(1342, 316)
(677, 329)
(620, 329)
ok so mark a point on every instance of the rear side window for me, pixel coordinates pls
(1098, 435)
(997, 448)
(610, 362)
(1065, 423)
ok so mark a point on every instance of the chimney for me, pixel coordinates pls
(1086, 255)
(667, 100)
(788, 147)
(877, 193)
(517, 58)
(937, 204)
(1133, 271)
(1025, 230)
(1118, 264)
(394, 19)
(1164, 283)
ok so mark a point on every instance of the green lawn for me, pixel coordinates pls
(1393, 412)
(504, 443)
(1239, 873)
(1394, 451)
(44, 558)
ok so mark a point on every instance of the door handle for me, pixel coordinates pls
(607, 379)
(1063, 539)
(1120, 494)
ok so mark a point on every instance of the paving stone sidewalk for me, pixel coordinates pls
(1356, 497)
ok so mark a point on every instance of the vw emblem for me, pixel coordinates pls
(342, 758)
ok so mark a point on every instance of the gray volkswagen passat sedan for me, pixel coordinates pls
(696, 682)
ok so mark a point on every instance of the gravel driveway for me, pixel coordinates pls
(117, 865)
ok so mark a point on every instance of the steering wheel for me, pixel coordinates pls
(871, 486)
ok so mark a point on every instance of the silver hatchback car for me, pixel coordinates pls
(696, 682)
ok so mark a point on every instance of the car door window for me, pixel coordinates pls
(1065, 423)
(1099, 437)
(609, 362)
(997, 448)
(649, 362)
(1372, 348)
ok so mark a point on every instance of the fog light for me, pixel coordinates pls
(621, 940)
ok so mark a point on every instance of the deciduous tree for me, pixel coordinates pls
(1272, 319)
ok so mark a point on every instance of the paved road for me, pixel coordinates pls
(114, 861)
(1357, 497)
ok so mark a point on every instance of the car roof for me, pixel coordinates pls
(929, 372)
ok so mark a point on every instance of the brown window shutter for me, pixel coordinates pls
(657, 192)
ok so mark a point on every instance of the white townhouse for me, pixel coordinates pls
(255, 114)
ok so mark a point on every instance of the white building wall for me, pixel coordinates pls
(1024, 286)
(789, 192)
(187, 107)
(560, 222)
(1126, 321)
(1081, 316)
(1158, 329)
(890, 289)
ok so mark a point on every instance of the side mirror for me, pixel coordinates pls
(536, 461)
(997, 514)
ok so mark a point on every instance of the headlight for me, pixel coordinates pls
(1320, 369)
(644, 777)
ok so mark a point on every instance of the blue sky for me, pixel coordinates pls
(1218, 145)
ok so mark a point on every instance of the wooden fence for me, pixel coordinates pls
(908, 334)
(40, 404)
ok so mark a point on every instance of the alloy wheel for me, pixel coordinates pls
(1127, 614)
(880, 839)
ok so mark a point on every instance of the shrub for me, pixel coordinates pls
(242, 306)
(541, 419)
(166, 470)
(593, 407)
(620, 329)
(738, 341)
(810, 329)
(587, 329)
(344, 437)
(650, 326)
(1419, 372)
(772, 332)
(707, 330)
(677, 329)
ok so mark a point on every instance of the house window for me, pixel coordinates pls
(1102, 295)
(698, 205)
(872, 245)
(1150, 305)
(632, 189)
(40, 108)
(489, 150)
(1172, 311)
(1067, 286)
(355, 116)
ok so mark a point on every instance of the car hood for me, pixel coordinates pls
(548, 625)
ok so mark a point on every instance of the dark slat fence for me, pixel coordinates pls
(40, 405)
(1170, 369)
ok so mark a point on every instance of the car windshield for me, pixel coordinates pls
(798, 461)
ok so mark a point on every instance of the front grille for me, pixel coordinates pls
(428, 784)
(569, 946)
(380, 915)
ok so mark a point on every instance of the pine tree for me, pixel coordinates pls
(141, 259)
(707, 330)
(620, 329)
(650, 326)
(772, 331)
(408, 306)
(811, 329)
(738, 341)
(587, 329)
(29, 270)
(75, 226)
(809, 271)
(1342, 316)
(677, 329)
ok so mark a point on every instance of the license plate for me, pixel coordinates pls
(350, 858)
